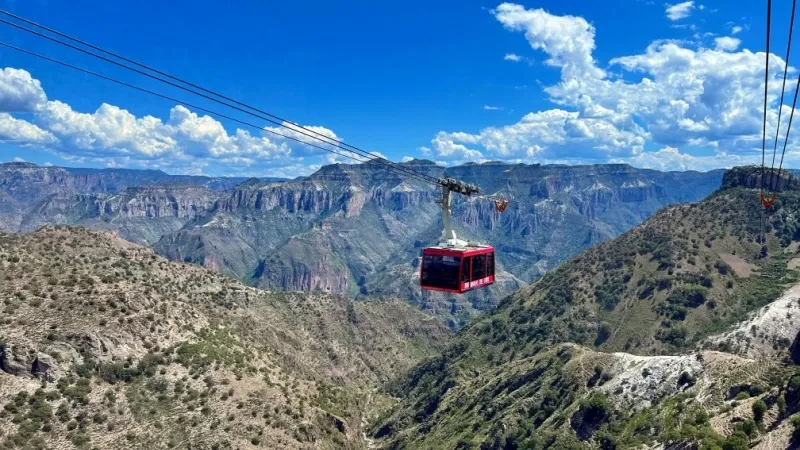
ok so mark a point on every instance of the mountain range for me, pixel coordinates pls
(683, 332)
(355, 230)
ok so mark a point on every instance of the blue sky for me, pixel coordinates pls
(454, 81)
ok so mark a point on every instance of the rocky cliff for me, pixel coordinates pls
(354, 229)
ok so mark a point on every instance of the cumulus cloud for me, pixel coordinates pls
(19, 92)
(673, 95)
(512, 57)
(568, 40)
(727, 43)
(21, 132)
(680, 10)
(186, 142)
(736, 29)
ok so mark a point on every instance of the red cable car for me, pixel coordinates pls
(456, 270)
(455, 265)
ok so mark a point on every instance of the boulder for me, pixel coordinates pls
(43, 366)
(15, 361)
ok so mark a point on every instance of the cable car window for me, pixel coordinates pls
(490, 264)
(465, 270)
(478, 267)
(441, 271)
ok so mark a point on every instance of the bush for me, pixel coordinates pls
(603, 333)
(596, 406)
(744, 395)
(675, 336)
(796, 428)
(737, 441)
(723, 268)
(691, 296)
(748, 427)
(701, 417)
(686, 379)
(759, 408)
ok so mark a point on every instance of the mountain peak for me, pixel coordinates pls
(753, 177)
(420, 162)
(19, 165)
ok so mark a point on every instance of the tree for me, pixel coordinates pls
(764, 251)
(748, 427)
(759, 408)
(737, 441)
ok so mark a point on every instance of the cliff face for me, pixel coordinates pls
(28, 182)
(184, 202)
(753, 177)
(355, 229)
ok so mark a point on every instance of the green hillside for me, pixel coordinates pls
(690, 271)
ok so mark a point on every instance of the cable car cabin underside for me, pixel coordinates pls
(456, 270)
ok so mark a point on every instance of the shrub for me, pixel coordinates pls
(737, 441)
(759, 408)
(701, 417)
(595, 406)
(603, 333)
(795, 422)
(748, 427)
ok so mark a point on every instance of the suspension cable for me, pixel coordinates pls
(302, 130)
(773, 189)
(172, 99)
(764, 125)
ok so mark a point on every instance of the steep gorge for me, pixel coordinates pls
(353, 229)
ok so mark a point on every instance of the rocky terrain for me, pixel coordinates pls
(355, 230)
(31, 195)
(680, 333)
(105, 344)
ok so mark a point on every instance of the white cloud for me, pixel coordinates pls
(674, 95)
(491, 108)
(670, 159)
(407, 159)
(680, 10)
(727, 43)
(19, 92)
(20, 132)
(736, 29)
(568, 40)
(108, 131)
(446, 145)
(114, 137)
(512, 57)
(18, 159)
